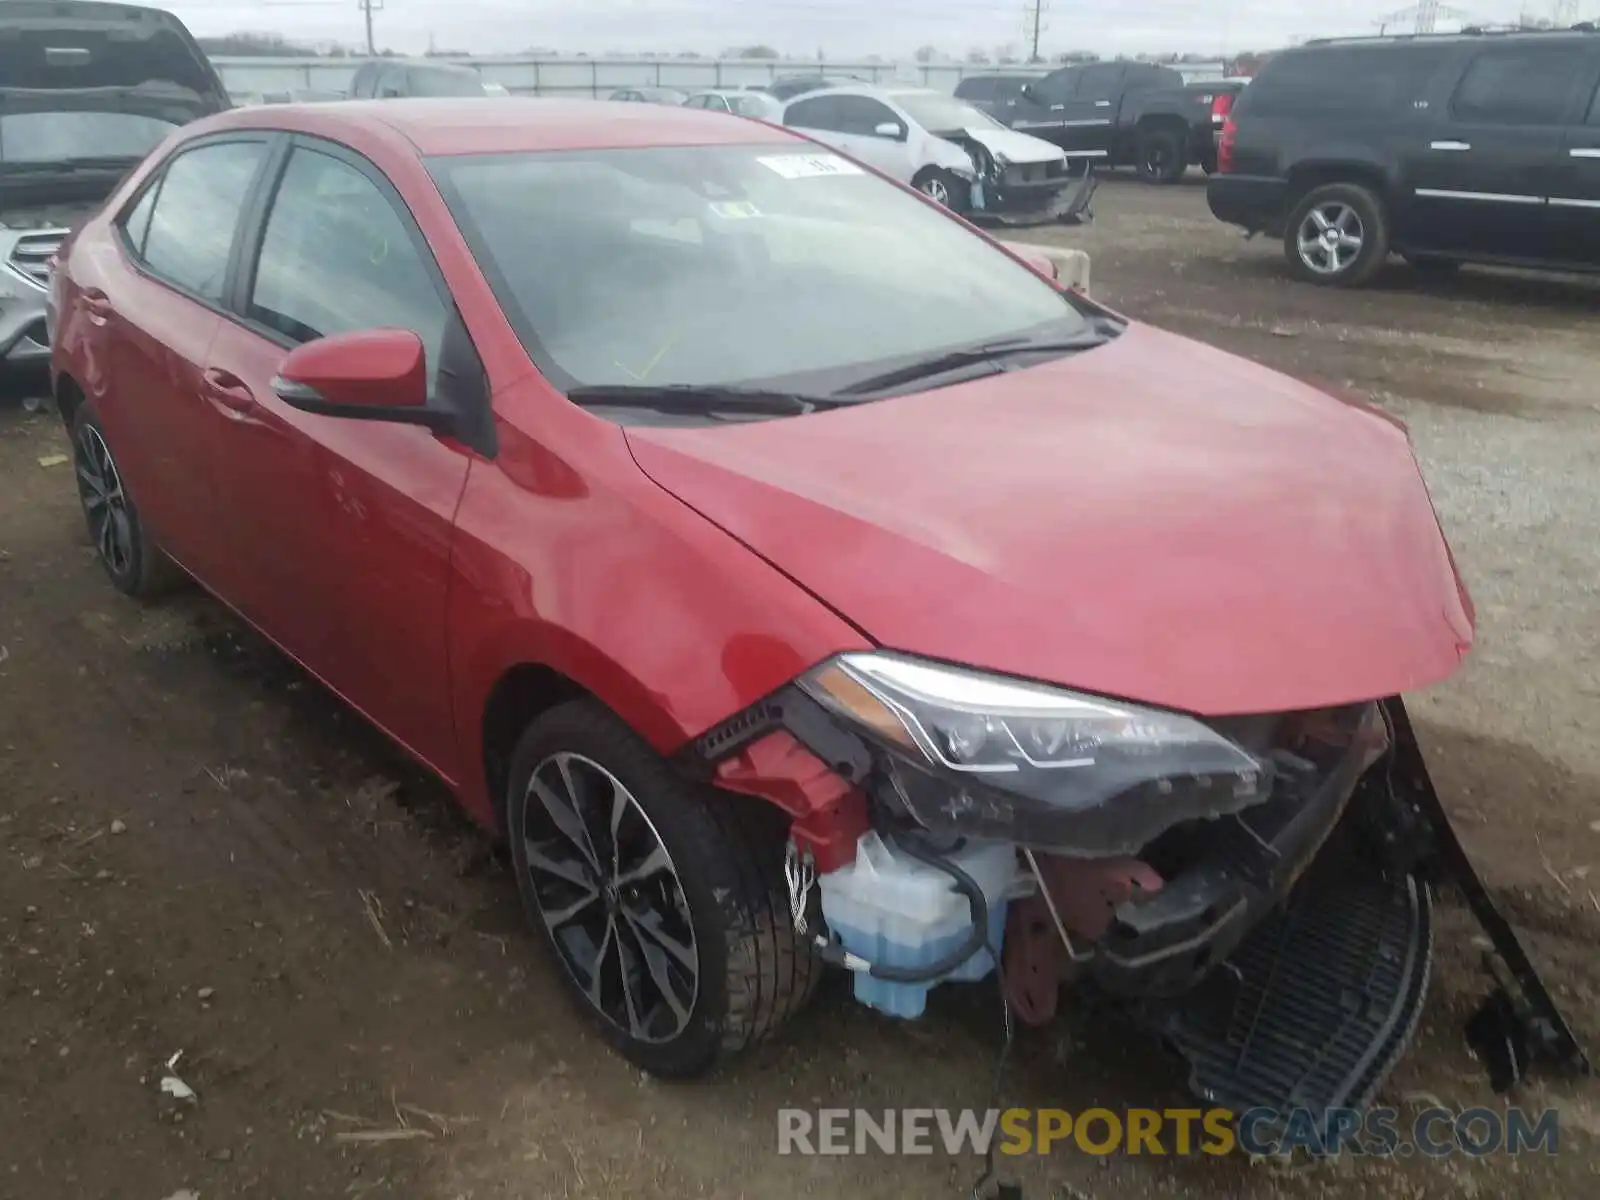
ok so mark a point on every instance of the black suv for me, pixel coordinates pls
(1472, 147)
(86, 91)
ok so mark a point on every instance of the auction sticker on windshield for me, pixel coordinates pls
(807, 166)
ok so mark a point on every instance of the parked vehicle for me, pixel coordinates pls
(994, 93)
(787, 87)
(395, 78)
(770, 592)
(738, 101)
(1127, 114)
(650, 95)
(946, 148)
(1444, 150)
(86, 91)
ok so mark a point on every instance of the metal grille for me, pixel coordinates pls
(30, 257)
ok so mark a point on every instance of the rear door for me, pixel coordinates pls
(344, 527)
(155, 319)
(1575, 200)
(1480, 181)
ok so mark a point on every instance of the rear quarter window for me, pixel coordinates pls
(1341, 81)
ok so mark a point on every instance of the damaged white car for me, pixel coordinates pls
(949, 150)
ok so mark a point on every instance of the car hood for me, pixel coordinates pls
(159, 99)
(1011, 145)
(1152, 520)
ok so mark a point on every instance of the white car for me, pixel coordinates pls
(943, 146)
(740, 102)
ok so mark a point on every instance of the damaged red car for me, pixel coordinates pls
(796, 577)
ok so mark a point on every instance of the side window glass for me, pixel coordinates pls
(336, 258)
(1058, 86)
(1100, 81)
(137, 222)
(1518, 87)
(860, 115)
(191, 229)
(821, 113)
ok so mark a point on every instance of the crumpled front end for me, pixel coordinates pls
(1254, 891)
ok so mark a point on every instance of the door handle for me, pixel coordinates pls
(1102, 104)
(97, 305)
(228, 390)
(1449, 145)
(1585, 152)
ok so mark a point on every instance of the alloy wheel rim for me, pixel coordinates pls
(936, 190)
(609, 894)
(105, 504)
(1330, 238)
(1155, 160)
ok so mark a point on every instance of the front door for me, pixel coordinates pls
(343, 528)
(1479, 181)
(850, 124)
(1575, 200)
(154, 328)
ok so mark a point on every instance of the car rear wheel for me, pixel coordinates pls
(663, 902)
(1161, 157)
(122, 542)
(942, 186)
(1338, 235)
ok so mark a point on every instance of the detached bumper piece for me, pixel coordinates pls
(1318, 1004)
(1518, 1025)
(1018, 205)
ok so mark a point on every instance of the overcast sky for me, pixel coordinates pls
(842, 28)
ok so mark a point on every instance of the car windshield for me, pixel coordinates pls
(719, 265)
(50, 137)
(751, 104)
(938, 112)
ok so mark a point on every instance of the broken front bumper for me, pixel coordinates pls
(1017, 205)
(1285, 952)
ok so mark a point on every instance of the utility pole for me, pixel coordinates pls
(368, 7)
(1033, 27)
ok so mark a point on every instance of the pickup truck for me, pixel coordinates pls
(1126, 114)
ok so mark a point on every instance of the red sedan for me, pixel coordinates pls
(789, 572)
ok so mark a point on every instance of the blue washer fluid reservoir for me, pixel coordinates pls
(888, 907)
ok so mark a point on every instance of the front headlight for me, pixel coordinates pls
(989, 756)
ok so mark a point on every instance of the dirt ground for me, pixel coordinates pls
(200, 852)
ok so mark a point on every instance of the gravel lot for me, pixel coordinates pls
(200, 851)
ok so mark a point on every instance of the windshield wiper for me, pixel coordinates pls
(697, 399)
(972, 356)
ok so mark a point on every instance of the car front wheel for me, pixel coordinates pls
(662, 901)
(942, 186)
(1337, 235)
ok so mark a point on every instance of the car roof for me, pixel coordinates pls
(505, 124)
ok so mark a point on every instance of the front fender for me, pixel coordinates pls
(579, 562)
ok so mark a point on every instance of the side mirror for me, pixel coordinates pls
(889, 129)
(369, 375)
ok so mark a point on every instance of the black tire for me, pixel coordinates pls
(1369, 223)
(123, 543)
(1161, 157)
(945, 187)
(721, 895)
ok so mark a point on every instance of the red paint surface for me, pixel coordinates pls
(1154, 520)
